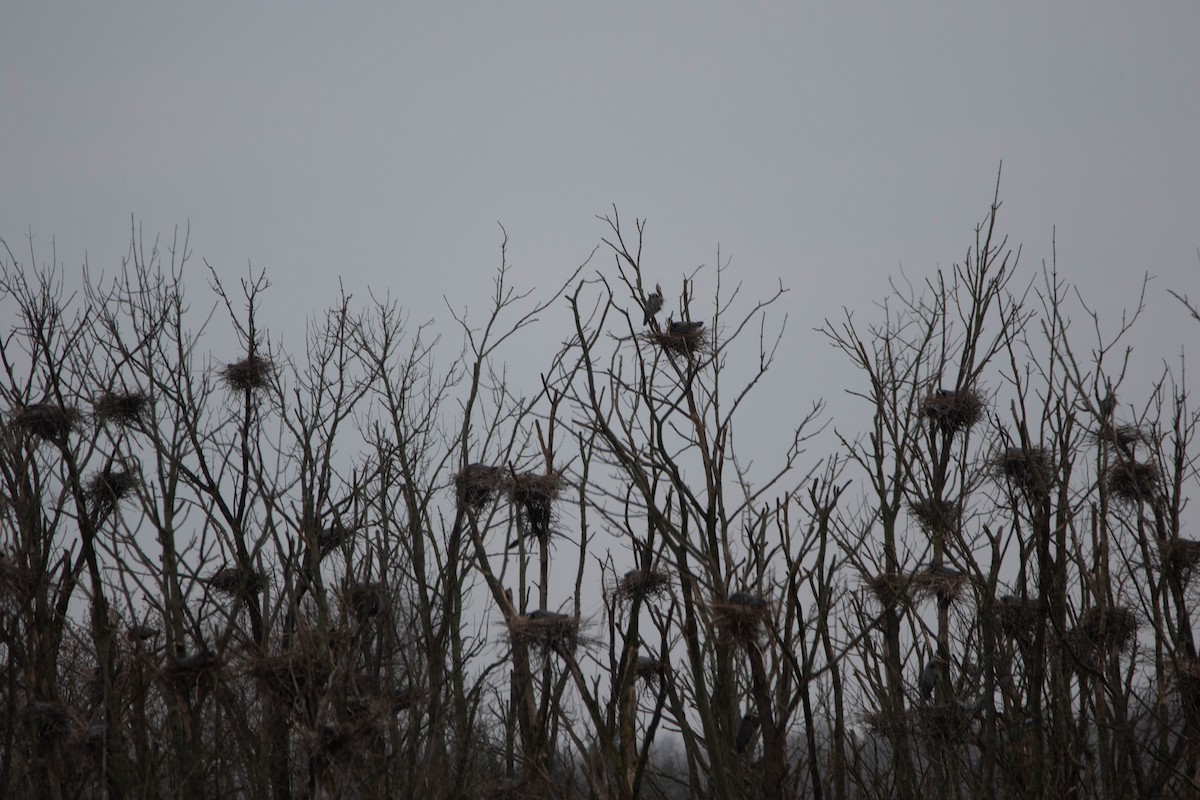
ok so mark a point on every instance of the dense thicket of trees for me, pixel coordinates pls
(365, 568)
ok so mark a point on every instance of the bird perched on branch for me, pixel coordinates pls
(930, 675)
(654, 303)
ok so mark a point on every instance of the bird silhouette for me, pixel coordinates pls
(654, 303)
(684, 327)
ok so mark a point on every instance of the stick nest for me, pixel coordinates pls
(291, 675)
(534, 495)
(650, 669)
(1123, 436)
(193, 666)
(108, 487)
(237, 582)
(475, 485)
(1028, 471)
(331, 537)
(951, 412)
(741, 617)
(545, 630)
(946, 722)
(365, 600)
(680, 339)
(890, 589)
(1018, 618)
(49, 721)
(1108, 628)
(1179, 557)
(251, 374)
(45, 420)
(642, 585)
(1132, 482)
(938, 581)
(123, 409)
(936, 517)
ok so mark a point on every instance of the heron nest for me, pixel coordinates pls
(885, 723)
(251, 374)
(641, 584)
(1187, 684)
(938, 581)
(1027, 470)
(948, 723)
(236, 582)
(291, 675)
(679, 342)
(193, 666)
(890, 589)
(649, 669)
(1132, 482)
(475, 485)
(951, 412)
(50, 721)
(741, 617)
(936, 517)
(45, 420)
(1123, 436)
(1179, 557)
(545, 630)
(365, 600)
(108, 487)
(329, 538)
(123, 409)
(1108, 628)
(1018, 618)
(534, 495)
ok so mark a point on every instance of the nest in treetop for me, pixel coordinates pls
(684, 338)
(950, 411)
(741, 617)
(1132, 482)
(365, 600)
(1018, 618)
(193, 665)
(648, 668)
(248, 375)
(45, 420)
(476, 484)
(642, 585)
(942, 582)
(290, 675)
(1179, 557)
(534, 495)
(107, 487)
(330, 538)
(944, 722)
(121, 408)
(1028, 471)
(236, 582)
(936, 517)
(1123, 436)
(885, 723)
(1108, 628)
(545, 630)
(889, 588)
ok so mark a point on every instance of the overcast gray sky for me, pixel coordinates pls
(826, 144)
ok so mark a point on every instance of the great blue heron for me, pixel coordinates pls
(654, 303)
(684, 327)
(931, 673)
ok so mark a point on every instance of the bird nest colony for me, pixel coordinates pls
(951, 412)
(639, 584)
(1027, 470)
(107, 487)
(649, 669)
(475, 485)
(1179, 557)
(122, 409)
(1108, 628)
(534, 496)
(936, 517)
(236, 582)
(684, 339)
(365, 600)
(948, 723)
(248, 375)
(741, 617)
(293, 674)
(1132, 482)
(938, 581)
(1123, 436)
(547, 631)
(44, 420)
(1018, 617)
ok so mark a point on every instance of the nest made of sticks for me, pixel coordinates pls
(251, 374)
(1018, 618)
(192, 666)
(476, 484)
(649, 668)
(885, 723)
(236, 582)
(936, 517)
(48, 720)
(1123, 436)
(45, 420)
(938, 581)
(1029, 471)
(953, 411)
(684, 339)
(890, 589)
(123, 409)
(546, 630)
(534, 495)
(331, 537)
(365, 600)
(638, 584)
(1179, 557)
(741, 617)
(1132, 482)
(108, 487)
(290, 675)
(1107, 628)
(945, 722)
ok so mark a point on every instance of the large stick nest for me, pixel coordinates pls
(1027, 470)
(683, 339)
(251, 374)
(45, 420)
(953, 411)
(193, 666)
(291, 675)
(650, 669)
(1123, 436)
(938, 581)
(533, 495)
(548, 631)
(108, 487)
(936, 517)
(1018, 618)
(741, 617)
(1132, 482)
(48, 721)
(1107, 628)
(365, 600)
(640, 584)
(1179, 557)
(946, 722)
(237, 582)
(890, 589)
(475, 485)
(123, 409)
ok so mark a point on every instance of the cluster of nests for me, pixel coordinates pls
(533, 494)
(742, 617)
(952, 411)
(938, 581)
(683, 339)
